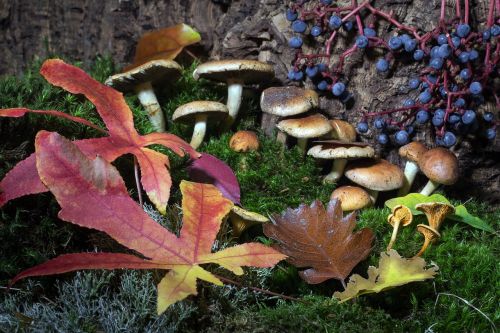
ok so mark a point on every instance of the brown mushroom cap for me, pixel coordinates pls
(412, 151)
(402, 214)
(243, 141)
(189, 111)
(435, 212)
(351, 197)
(248, 71)
(428, 232)
(375, 175)
(309, 127)
(154, 71)
(342, 130)
(288, 101)
(439, 165)
(337, 149)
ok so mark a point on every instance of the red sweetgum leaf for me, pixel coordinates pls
(209, 169)
(122, 139)
(92, 194)
(321, 239)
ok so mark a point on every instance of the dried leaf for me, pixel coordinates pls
(122, 139)
(321, 239)
(164, 43)
(393, 271)
(92, 194)
(210, 170)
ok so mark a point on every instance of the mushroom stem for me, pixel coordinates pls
(429, 188)
(394, 235)
(147, 97)
(337, 171)
(302, 145)
(411, 170)
(234, 93)
(200, 128)
(427, 241)
(373, 195)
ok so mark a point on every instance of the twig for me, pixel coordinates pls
(137, 182)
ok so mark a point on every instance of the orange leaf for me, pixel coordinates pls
(92, 194)
(164, 43)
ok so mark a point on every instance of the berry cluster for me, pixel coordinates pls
(456, 72)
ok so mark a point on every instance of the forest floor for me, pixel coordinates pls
(464, 296)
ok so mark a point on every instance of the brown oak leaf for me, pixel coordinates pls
(320, 239)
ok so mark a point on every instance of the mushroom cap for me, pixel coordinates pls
(428, 232)
(248, 71)
(333, 149)
(439, 165)
(377, 175)
(309, 127)
(402, 214)
(342, 130)
(154, 71)
(189, 111)
(351, 197)
(435, 212)
(248, 215)
(288, 101)
(243, 141)
(412, 151)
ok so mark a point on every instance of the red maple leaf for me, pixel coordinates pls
(122, 138)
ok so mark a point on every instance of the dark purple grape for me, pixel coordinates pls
(440, 113)
(465, 74)
(495, 30)
(473, 55)
(486, 35)
(322, 85)
(379, 123)
(454, 118)
(382, 65)
(395, 42)
(369, 32)
(475, 88)
(299, 26)
(383, 138)
(444, 51)
(460, 102)
(410, 45)
(449, 139)
(361, 42)
(422, 117)
(468, 117)
(402, 137)
(488, 117)
(491, 133)
(414, 83)
(335, 22)
(291, 15)
(295, 42)
(463, 30)
(418, 55)
(442, 39)
(362, 127)
(436, 63)
(312, 71)
(316, 31)
(437, 121)
(409, 102)
(425, 97)
(348, 25)
(326, 2)
(338, 88)
(464, 57)
(456, 41)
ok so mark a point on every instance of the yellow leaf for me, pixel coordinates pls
(393, 271)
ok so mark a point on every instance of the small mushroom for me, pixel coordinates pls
(375, 175)
(436, 213)
(242, 219)
(235, 73)
(342, 130)
(400, 215)
(351, 198)
(244, 141)
(303, 129)
(141, 79)
(339, 152)
(441, 167)
(411, 152)
(199, 112)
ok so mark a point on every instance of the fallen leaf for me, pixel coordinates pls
(461, 214)
(123, 138)
(321, 239)
(209, 169)
(92, 194)
(392, 271)
(164, 43)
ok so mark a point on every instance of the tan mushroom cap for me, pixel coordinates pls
(351, 197)
(248, 71)
(375, 175)
(402, 214)
(243, 141)
(439, 165)
(189, 111)
(154, 71)
(288, 101)
(428, 232)
(333, 149)
(436, 212)
(309, 127)
(248, 215)
(412, 151)
(342, 130)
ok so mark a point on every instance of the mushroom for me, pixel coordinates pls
(286, 102)
(400, 215)
(339, 152)
(351, 198)
(436, 213)
(141, 79)
(235, 73)
(199, 112)
(244, 141)
(375, 175)
(342, 130)
(441, 167)
(411, 152)
(312, 126)
(242, 219)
